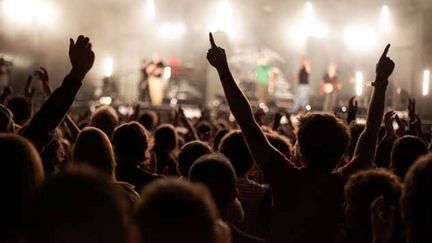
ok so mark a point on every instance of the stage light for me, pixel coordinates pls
(426, 80)
(173, 102)
(171, 30)
(385, 19)
(359, 83)
(308, 27)
(344, 109)
(360, 38)
(167, 73)
(105, 100)
(308, 107)
(28, 12)
(150, 10)
(108, 66)
(224, 20)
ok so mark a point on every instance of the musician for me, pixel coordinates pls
(152, 85)
(262, 72)
(330, 87)
(302, 95)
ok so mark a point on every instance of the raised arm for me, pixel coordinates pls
(54, 109)
(257, 142)
(364, 153)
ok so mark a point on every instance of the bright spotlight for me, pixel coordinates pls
(359, 83)
(108, 66)
(360, 38)
(171, 30)
(150, 10)
(105, 100)
(28, 12)
(385, 19)
(224, 20)
(167, 73)
(308, 107)
(426, 79)
(308, 27)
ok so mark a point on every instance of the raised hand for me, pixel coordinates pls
(42, 75)
(6, 92)
(382, 221)
(216, 55)
(412, 109)
(384, 68)
(81, 55)
(352, 109)
(388, 124)
(28, 90)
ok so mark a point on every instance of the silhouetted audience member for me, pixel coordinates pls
(105, 118)
(166, 149)
(416, 201)
(132, 144)
(216, 172)
(360, 192)
(251, 194)
(21, 109)
(406, 151)
(190, 152)
(176, 211)
(217, 138)
(93, 148)
(79, 206)
(21, 176)
(148, 119)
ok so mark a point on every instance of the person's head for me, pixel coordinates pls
(218, 138)
(165, 138)
(6, 120)
(131, 144)
(105, 118)
(322, 139)
(234, 147)
(190, 152)
(20, 177)
(216, 172)
(93, 147)
(148, 119)
(204, 127)
(416, 201)
(406, 151)
(176, 211)
(360, 192)
(280, 142)
(21, 109)
(78, 206)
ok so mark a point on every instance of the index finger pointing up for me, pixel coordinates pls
(385, 51)
(212, 42)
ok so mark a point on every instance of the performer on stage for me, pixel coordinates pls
(152, 86)
(5, 70)
(302, 95)
(330, 87)
(262, 72)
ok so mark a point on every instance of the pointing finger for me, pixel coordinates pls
(212, 42)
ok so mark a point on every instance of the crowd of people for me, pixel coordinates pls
(105, 178)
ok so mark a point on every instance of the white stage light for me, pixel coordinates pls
(308, 26)
(167, 73)
(308, 107)
(28, 12)
(426, 80)
(224, 20)
(108, 67)
(359, 83)
(360, 38)
(385, 19)
(105, 100)
(150, 10)
(171, 30)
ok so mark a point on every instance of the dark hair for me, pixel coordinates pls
(216, 172)
(105, 118)
(131, 143)
(148, 119)
(322, 139)
(21, 175)
(218, 137)
(78, 206)
(405, 152)
(280, 142)
(190, 152)
(165, 138)
(416, 201)
(204, 127)
(234, 147)
(176, 211)
(94, 148)
(21, 109)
